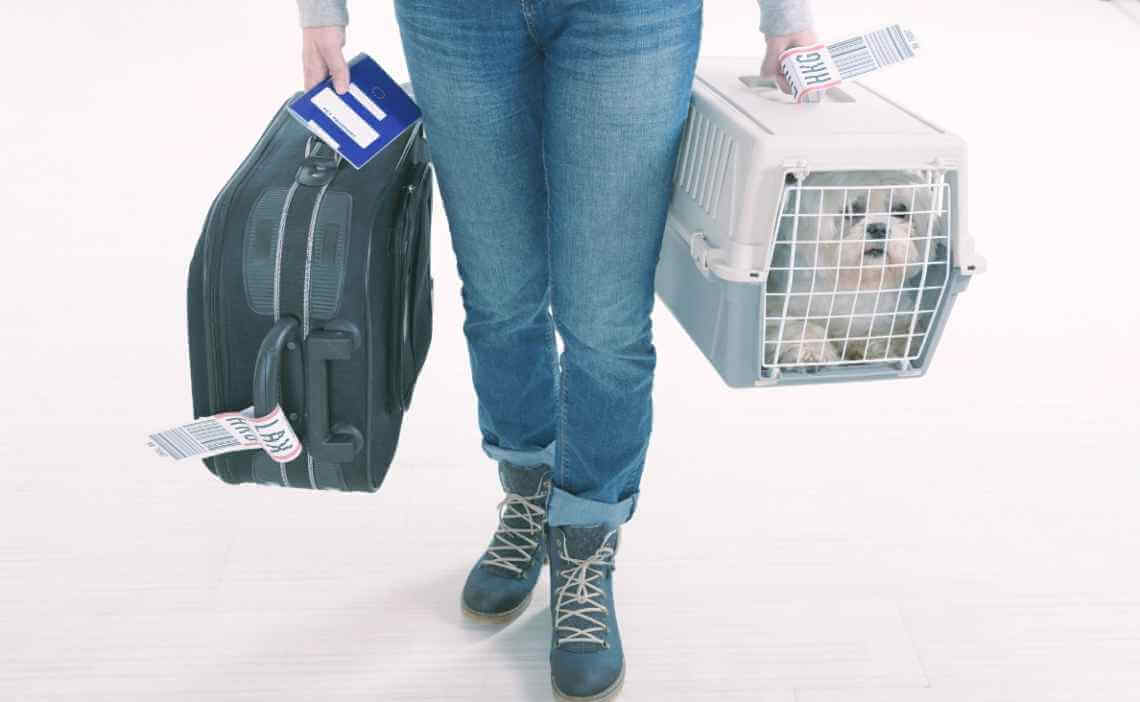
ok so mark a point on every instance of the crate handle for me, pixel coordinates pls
(767, 84)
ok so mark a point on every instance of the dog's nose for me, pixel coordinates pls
(877, 231)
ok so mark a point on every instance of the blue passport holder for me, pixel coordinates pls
(360, 123)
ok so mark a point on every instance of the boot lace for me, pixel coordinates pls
(579, 606)
(521, 520)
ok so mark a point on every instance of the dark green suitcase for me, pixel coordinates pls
(311, 288)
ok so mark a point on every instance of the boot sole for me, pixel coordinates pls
(607, 694)
(497, 617)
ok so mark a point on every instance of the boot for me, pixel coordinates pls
(499, 586)
(586, 661)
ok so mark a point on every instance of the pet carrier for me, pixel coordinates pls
(811, 243)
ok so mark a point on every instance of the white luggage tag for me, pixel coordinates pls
(810, 70)
(227, 432)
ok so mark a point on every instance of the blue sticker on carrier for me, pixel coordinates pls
(359, 124)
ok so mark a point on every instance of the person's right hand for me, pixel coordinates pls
(778, 44)
(321, 56)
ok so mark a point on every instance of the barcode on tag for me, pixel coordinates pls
(811, 70)
(872, 51)
(230, 431)
(205, 437)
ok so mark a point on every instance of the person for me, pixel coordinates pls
(554, 127)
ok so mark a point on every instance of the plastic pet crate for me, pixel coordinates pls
(811, 243)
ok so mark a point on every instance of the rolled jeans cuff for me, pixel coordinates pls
(521, 457)
(565, 509)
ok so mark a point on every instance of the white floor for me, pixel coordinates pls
(1131, 9)
(968, 537)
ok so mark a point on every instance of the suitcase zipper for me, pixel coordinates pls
(400, 306)
(215, 333)
(411, 223)
(306, 301)
(407, 278)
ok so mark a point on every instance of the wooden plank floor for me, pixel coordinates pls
(968, 537)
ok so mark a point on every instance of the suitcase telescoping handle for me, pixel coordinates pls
(338, 443)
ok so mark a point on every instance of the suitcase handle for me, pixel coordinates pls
(267, 369)
(336, 443)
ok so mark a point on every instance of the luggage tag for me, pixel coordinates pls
(227, 432)
(810, 70)
(359, 124)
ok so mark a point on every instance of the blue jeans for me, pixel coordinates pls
(554, 127)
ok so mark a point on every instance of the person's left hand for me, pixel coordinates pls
(778, 45)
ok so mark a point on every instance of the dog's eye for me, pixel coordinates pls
(899, 210)
(856, 209)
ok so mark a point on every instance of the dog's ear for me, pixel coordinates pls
(928, 221)
(855, 210)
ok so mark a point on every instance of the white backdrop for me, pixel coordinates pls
(779, 550)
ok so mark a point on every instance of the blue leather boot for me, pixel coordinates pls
(499, 586)
(586, 661)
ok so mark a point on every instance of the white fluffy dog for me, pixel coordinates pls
(851, 255)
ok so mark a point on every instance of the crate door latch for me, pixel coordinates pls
(699, 250)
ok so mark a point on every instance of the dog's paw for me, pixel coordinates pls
(874, 350)
(877, 350)
(856, 352)
(810, 357)
(900, 347)
(894, 349)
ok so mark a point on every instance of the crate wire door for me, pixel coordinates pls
(857, 275)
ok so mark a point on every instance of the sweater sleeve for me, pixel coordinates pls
(785, 16)
(321, 13)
